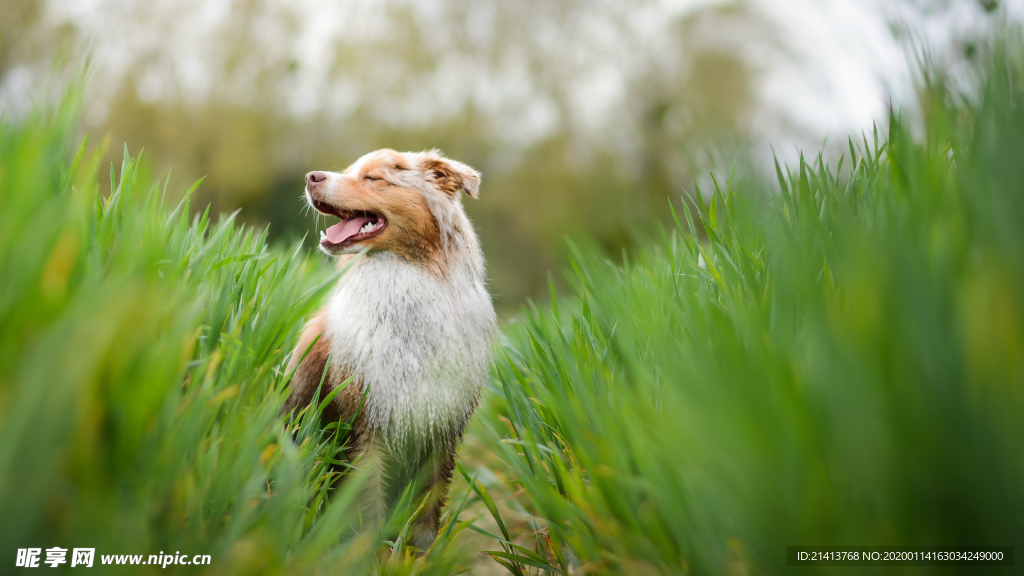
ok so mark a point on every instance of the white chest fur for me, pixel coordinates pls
(420, 342)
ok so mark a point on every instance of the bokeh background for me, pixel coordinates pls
(586, 117)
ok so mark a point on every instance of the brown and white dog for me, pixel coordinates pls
(412, 320)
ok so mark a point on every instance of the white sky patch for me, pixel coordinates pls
(836, 74)
(845, 65)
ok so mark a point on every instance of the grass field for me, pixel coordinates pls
(837, 359)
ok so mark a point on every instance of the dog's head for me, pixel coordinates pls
(402, 202)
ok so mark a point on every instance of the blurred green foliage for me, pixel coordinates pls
(841, 362)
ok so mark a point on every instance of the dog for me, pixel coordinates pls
(410, 324)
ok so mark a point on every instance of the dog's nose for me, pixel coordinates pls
(314, 178)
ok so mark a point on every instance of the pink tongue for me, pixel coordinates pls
(346, 229)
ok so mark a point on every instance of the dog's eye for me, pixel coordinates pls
(371, 178)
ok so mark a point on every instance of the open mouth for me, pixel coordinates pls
(355, 225)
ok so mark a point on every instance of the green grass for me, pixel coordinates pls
(847, 368)
(837, 361)
(141, 373)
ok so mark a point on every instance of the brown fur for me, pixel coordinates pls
(412, 231)
(450, 180)
(307, 378)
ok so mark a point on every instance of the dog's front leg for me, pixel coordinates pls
(424, 528)
(308, 365)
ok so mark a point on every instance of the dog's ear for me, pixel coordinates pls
(450, 176)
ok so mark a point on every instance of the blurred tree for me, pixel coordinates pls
(585, 116)
(29, 44)
(20, 18)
